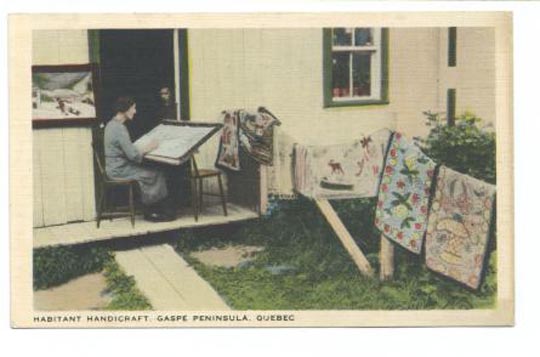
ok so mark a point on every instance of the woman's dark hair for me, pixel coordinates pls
(122, 104)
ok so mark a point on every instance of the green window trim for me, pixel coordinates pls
(185, 110)
(452, 46)
(327, 74)
(93, 46)
(451, 106)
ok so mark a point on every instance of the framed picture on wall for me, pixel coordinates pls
(63, 95)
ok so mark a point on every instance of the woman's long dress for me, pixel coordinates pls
(123, 161)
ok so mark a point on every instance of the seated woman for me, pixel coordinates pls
(123, 161)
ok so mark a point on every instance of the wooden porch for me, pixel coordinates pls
(86, 232)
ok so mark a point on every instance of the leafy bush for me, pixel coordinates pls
(465, 147)
(56, 265)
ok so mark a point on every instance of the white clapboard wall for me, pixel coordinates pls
(63, 169)
(63, 176)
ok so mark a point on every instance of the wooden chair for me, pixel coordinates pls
(106, 186)
(197, 176)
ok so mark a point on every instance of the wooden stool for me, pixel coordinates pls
(197, 176)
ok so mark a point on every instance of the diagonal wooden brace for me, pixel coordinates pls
(345, 237)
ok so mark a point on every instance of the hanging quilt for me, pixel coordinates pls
(300, 169)
(228, 148)
(458, 229)
(257, 134)
(252, 132)
(280, 175)
(341, 171)
(402, 207)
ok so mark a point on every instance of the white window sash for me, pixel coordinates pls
(376, 68)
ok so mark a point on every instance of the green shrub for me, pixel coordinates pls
(56, 265)
(465, 147)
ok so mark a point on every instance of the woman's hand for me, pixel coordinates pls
(152, 145)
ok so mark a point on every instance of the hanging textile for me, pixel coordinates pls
(280, 174)
(458, 229)
(228, 157)
(252, 132)
(402, 207)
(349, 170)
(300, 168)
(257, 134)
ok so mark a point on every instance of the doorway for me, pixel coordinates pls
(138, 63)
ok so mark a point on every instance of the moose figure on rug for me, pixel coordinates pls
(336, 167)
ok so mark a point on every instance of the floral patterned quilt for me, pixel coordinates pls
(458, 229)
(402, 206)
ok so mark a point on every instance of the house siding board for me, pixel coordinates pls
(413, 77)
(87, 174)
(37, 182)
(63, 176)
(216, 79)
(277, 69)
(73, 46)
(73, 191)
(292, 85)
(52, 177)
(216, 76)
(474, 75)
(44, 50)
(63, 168)
(282, 69)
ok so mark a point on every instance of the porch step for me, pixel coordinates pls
(168, 281)
(86, 232)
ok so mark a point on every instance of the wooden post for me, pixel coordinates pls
(386, 259)
(345, 237)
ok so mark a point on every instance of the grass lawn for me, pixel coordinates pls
(304, 266)
(54, 266)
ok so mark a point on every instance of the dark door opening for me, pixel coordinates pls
(139, 63)
(136, 63)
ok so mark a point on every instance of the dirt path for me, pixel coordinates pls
(83, 293)
(227, 257)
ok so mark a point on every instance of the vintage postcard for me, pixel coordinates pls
(290, 170)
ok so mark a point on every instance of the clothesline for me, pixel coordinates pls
(421, 205)
(416, 199)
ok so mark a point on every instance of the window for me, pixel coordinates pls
(355, 66)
